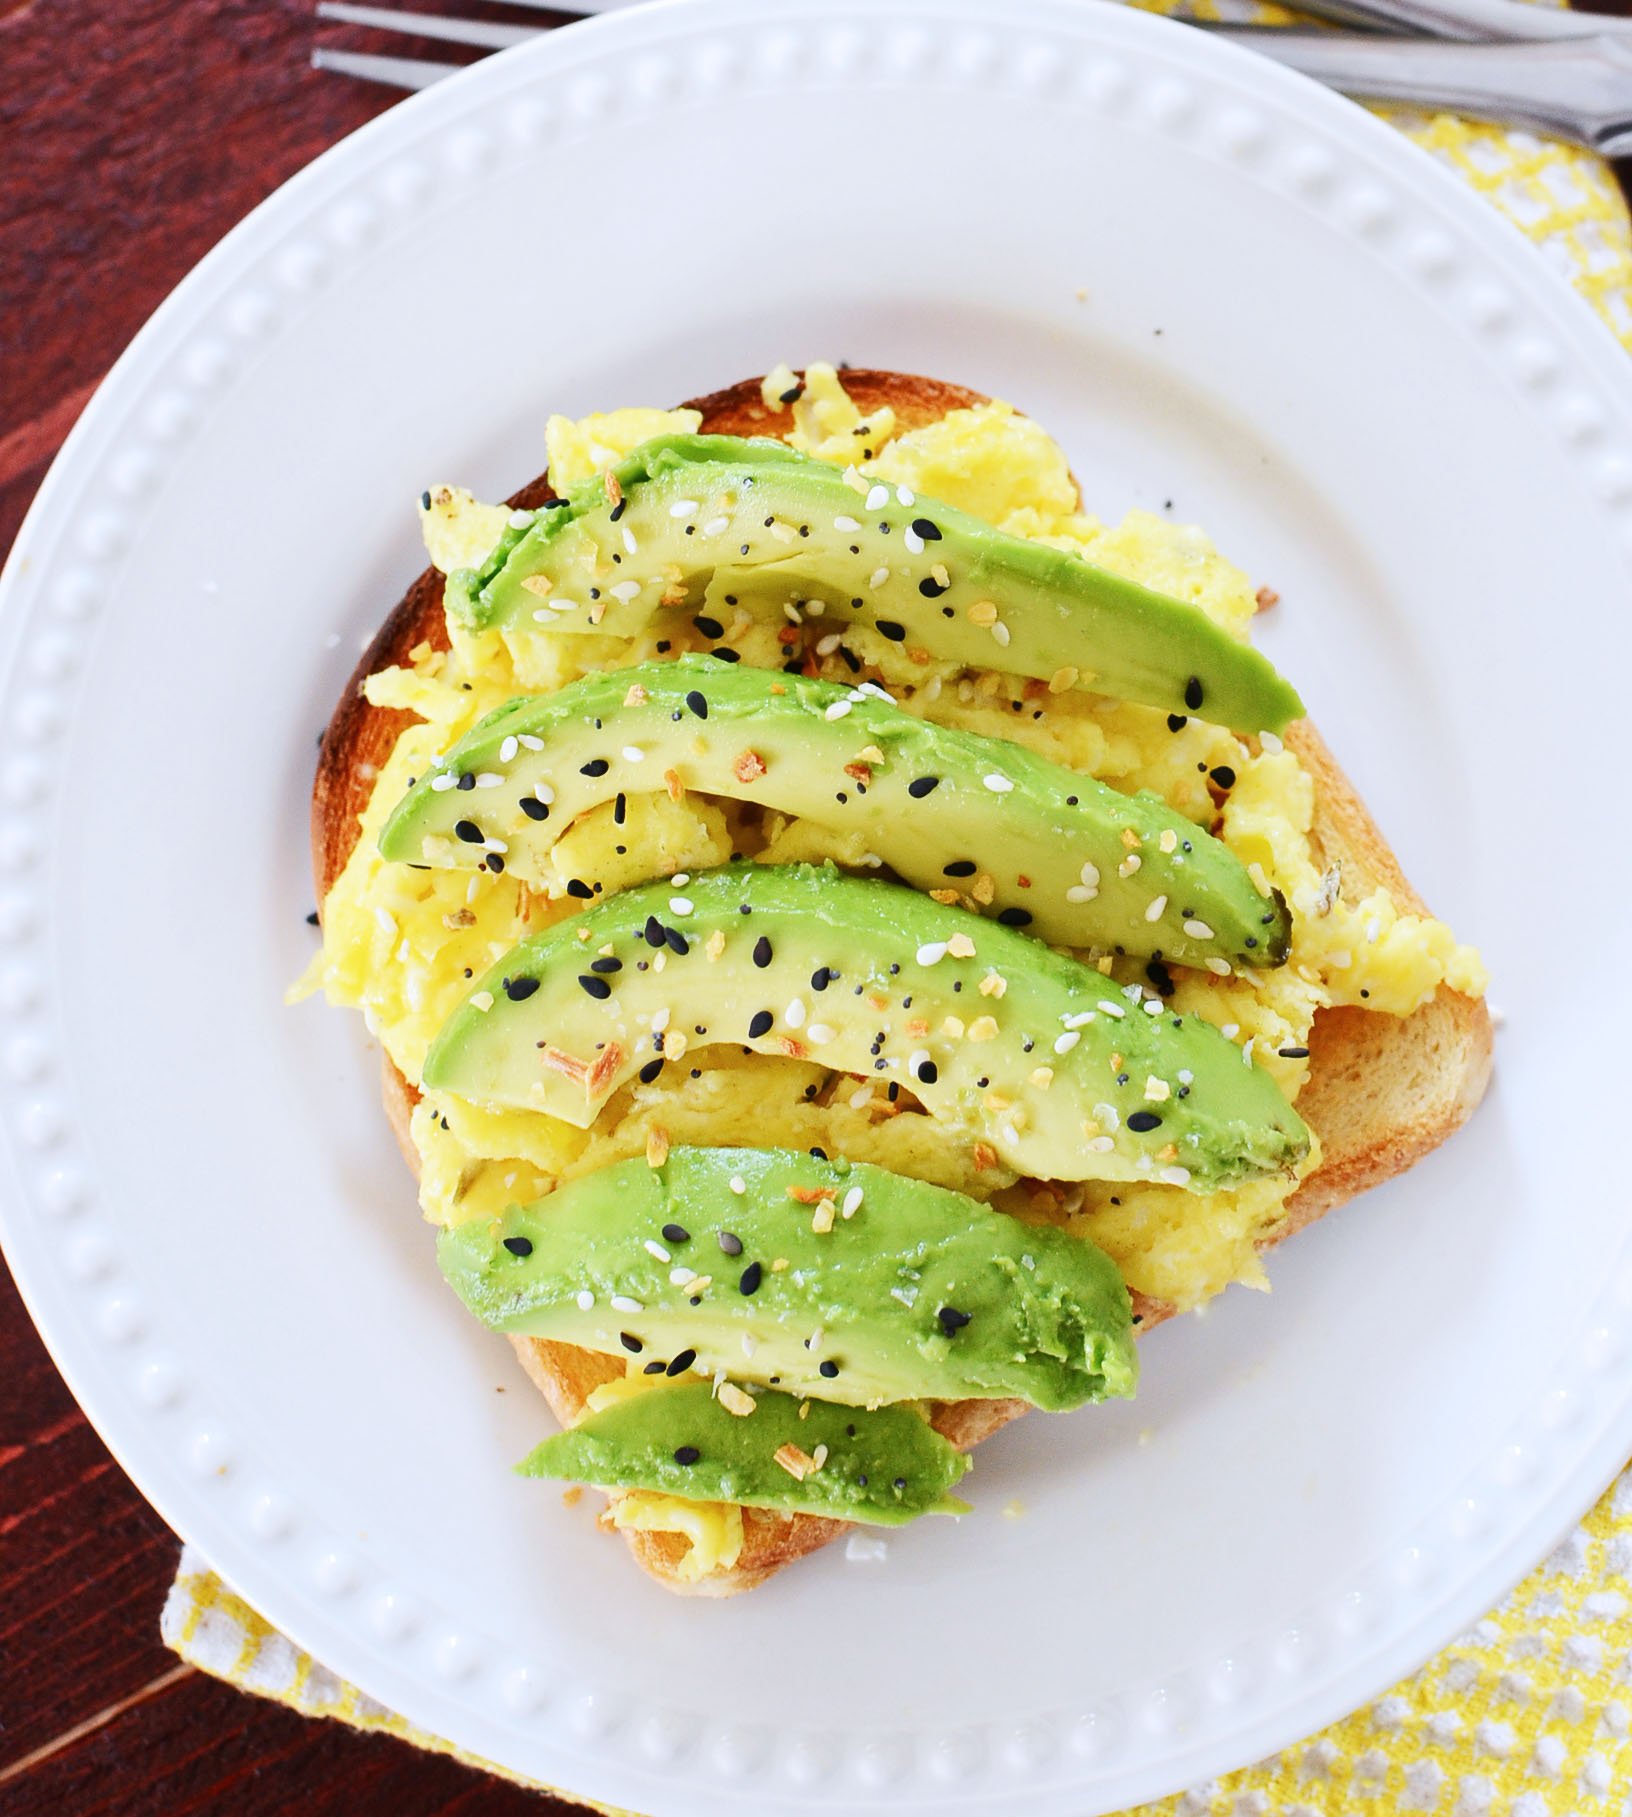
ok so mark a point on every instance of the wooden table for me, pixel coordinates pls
(137, 132)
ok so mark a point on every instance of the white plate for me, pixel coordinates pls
(1222, 287)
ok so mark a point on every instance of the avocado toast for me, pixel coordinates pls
(1377, 1089)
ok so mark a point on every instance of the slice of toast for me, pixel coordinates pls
(1381, 1092)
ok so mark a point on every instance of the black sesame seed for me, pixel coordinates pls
(492, 862)
(678, 1365)
(697, 703)
(630, 1342)
(710, 627)
(1015, 917)
(951, 1319)
(518, 990)
(469, 832)
(1193, 693)
(620, 809)
(922, 786)
(467, 780)
(685, 1454)
(762, 952)
(311, 919)
(424, 501)
(598, 988)
(608, 964)
(677, 942)
(1224, 776)
(1293, 1053)
(576, 887)
(792, 395)
(533, 808)
(722, 654)
(760, 1024)
(822, 977)
(653, 1369)
(828, 1369)
(730, 1243)
(676, 1233)
(653, 931)
(1176, 722)
(1141, 1122)
(650, 1070)
(888, 627)
(930, 587)
(664, 647)
(959, 867)
(751, 1276)
(929, 532)
(597, 766)
(928, 1072)
(520, 1246)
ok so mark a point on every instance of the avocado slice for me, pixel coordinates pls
(947, 808)
(686, 521)
(1006, 1042)
(885, 1467)
(848, 1282)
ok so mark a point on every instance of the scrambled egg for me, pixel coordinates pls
(402, 944)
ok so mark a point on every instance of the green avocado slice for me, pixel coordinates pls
(944, 807)
(1006, 1042)
(771, 527)
(885, 1467)
(834, 1279)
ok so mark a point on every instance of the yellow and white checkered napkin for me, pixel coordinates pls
(1529, 1714)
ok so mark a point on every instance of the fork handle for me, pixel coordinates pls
(1472, 20)
(1576, 88)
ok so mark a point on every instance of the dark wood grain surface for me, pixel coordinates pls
(137, 133)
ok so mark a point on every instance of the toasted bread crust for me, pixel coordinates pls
(1382, 1090)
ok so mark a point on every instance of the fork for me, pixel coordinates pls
(1561, 73)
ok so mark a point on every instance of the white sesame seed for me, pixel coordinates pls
(1198, 930)
(932, 952)
(878, 577)
(1078, 1018)
(507, 750)
(852, 1202)
(681, 1277)
(495, 845)
(445, 781)
(1128, 865)
(738, 1184)
(1267, 741)
(905, 497)
(878, 498)
(1230, 1030)
(1111, 1009)
(680, 905)
(1220, 968)
(586, 1300)
(1156, 908)
(683, 507)
(999, 785)
(621, 1302)
(489, 779)
(846, 524)
(654, 1248)
(544, 792)
(715, 525)
(563, 605)
(1153, 1006)
(794, 1014)
(529, 742)
(917, 1058)
(749, 1346)
(878, 693)
(1100, 1145)
(825, 646)
(626, 590)
(859, 1100)
(820, 1034)
(1063, 1044)
(1174, 1176)
(1000, 634)
(791, 613)
(541, 614)
(912, 541)
(1080, 892)
(838, 710)
(633, 754)
(1185, 1076)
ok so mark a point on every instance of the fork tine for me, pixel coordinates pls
(392, 72)
(429, 25)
